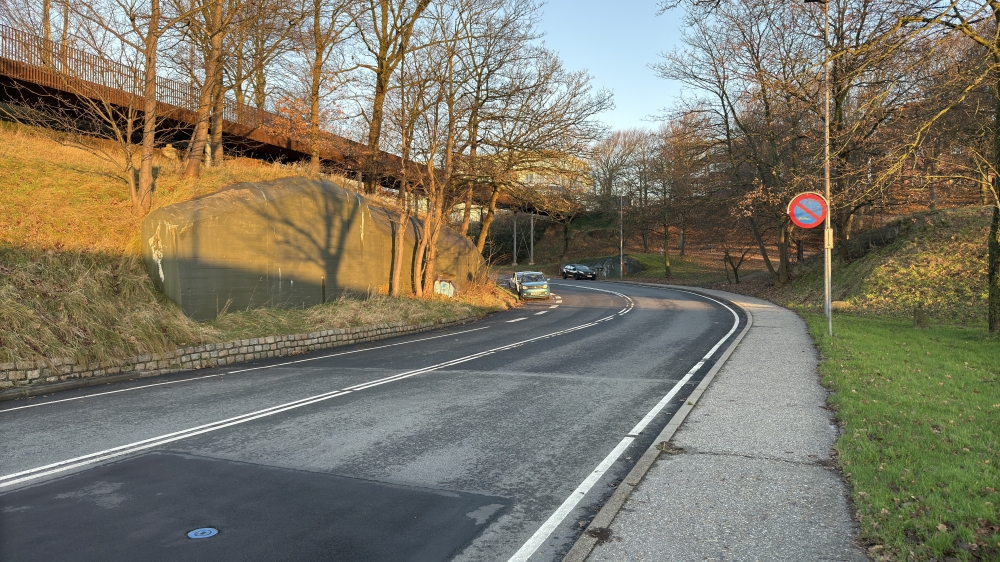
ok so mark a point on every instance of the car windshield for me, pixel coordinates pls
(583, 268)
(533, 278)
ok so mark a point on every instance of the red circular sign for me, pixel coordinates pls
(807, 210)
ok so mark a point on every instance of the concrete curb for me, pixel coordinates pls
(363, 334)
(585, 544)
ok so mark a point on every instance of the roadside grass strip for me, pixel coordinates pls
(108, 454)
(919, 411)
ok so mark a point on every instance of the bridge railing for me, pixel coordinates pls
(55, 65)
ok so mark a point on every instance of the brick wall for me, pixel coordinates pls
(47, 371)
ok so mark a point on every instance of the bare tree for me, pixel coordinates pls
(385, 28)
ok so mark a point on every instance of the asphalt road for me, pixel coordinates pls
(495, 440)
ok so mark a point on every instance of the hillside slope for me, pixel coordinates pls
(938, 261)
(72, 282)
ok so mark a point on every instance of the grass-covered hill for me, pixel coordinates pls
(72, 283)
(938, 261)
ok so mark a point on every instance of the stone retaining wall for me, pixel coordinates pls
(47, 371)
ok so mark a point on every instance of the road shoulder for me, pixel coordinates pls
(746, 473)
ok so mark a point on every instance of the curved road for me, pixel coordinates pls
(495, 440)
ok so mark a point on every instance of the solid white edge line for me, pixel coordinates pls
(202, 377)
(540, 536)
(666, 400)
(536, 540)
(61, 466)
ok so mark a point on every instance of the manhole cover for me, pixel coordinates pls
(203, 533)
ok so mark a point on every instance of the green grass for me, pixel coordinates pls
(919, 410)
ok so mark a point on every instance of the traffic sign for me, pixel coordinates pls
(808, 209)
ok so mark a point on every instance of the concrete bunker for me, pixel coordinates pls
(291, 242)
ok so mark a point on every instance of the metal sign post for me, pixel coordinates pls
(809, 210)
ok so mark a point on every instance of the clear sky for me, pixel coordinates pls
(616, 41)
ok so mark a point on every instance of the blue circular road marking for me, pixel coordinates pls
(203, 533)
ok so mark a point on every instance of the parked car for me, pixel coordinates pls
(578, 271)
(530, 285)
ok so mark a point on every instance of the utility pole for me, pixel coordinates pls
(828, 230)
(515, 237)
(531, 254)
(621, 237)
(828, 227)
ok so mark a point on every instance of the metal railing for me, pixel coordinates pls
(55, 65)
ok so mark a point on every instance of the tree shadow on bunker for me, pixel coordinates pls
(293, 242)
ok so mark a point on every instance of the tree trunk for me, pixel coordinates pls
(144, 197)
(317, 76)
(467, 213)
(218, 112)
(783, 254)
(64, 40)
(399, 240)
(566, 237)
(196, 148)
(375, 127)
(491, 208)
(46, 32)
(993, 277)
(761, 247)
(681, 242)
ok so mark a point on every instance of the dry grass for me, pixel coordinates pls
(72, 284)
(62, 197)
(85, 305)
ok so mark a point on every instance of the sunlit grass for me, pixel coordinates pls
(919, 410)
(72, 284)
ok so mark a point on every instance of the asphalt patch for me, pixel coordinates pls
(143, 509)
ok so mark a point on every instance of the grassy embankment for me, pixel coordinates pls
(918, 407)
(72, 283)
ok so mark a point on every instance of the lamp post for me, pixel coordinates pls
(828, 227)
(621, 237)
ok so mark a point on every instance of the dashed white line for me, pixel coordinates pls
(516, 320)
(542, 312)
(554, 306)
(99, 456)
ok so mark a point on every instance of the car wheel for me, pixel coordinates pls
(564, 275)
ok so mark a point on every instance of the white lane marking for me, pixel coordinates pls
(76, 462)
(516, 320)
(554, 306)
(571, 502)
(202, 377)
(542, 312)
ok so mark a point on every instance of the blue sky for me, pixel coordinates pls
(616, 41)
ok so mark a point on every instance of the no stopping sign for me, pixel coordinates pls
(807, 210)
